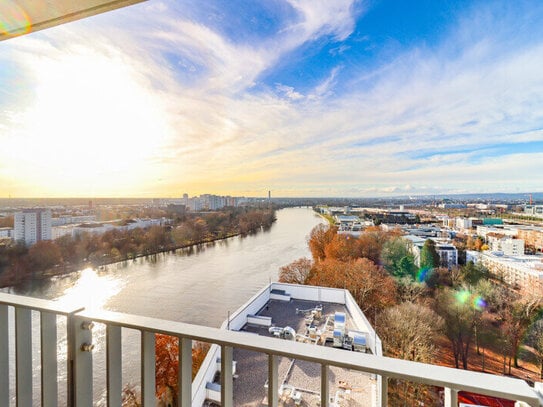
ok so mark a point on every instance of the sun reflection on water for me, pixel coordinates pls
(91, 291)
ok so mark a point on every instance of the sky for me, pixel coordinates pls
(300, 97)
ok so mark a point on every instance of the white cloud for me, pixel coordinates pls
(401, 129)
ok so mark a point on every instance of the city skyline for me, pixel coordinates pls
(305, 98)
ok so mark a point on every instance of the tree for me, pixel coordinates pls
(408, 332)
(167, 366)
(409, 290)
(343, 248)
(296, 272)
(429, 258)
(516, 319)
(472, 273)
(460, 319)
(394, 251)
(320, 236)
(43, 255)
(537, 344)
(371, 244)
(370, 285)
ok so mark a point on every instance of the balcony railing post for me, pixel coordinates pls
(185, 373)
(148, 380)
(80, 346)
(49, 381)
(227, 362)
(23, 356)
(382, 386)
(325, 385)
(451, 397)
(4, 355)
(273, 380)
(114, 365)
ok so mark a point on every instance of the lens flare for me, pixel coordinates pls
(462, 296)
(476, 301)
(479, 303)
(13, 19)
(422, 274)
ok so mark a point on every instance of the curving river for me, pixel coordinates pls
(198, 285)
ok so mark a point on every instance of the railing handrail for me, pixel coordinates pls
(37, 304)
(456, 379)
(462, 380)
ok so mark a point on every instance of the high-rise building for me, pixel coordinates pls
(32, 225)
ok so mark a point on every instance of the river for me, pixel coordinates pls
(198, 285)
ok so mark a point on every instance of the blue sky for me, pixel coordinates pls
(303, 97)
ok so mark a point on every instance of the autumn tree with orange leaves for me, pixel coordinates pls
(370, 285)
(167, 366)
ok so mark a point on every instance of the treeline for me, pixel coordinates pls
(19, 263)
(413, 308)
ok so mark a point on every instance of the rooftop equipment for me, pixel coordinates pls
(287, 332)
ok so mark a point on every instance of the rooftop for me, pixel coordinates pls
(299, 380)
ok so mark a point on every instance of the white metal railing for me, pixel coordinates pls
(80, 359)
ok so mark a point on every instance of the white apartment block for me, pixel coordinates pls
(523, 272)
(32, 225)
(483, 231)
(463, 223)
(506, 245)
(534, 210)
(448, 253)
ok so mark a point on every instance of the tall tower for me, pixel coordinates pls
(32, 225)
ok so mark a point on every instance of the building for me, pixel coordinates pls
(505, 244)
(522, 272)
(32, 225)
(6, 232)
(532, 236)
(533, 210)
(67, 220)
(483, 231)
(318, 316)
(463, 223)
(448, 253)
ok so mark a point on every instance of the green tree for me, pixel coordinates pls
(429, 258)
(394, 250)
(472, 273)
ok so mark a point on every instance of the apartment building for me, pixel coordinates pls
(507, 245)
(523, 272)
(32, 225)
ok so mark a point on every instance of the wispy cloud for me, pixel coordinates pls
(175, 98)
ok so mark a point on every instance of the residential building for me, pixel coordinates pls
(32, 225)
(448, 253)
(507, 245)
(524, 272)
(532, 236)
(6, 232)
(483, 231)
(463, 223)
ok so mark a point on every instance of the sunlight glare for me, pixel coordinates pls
(90, 291)
(94, 124)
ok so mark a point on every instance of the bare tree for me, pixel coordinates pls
(296, 272)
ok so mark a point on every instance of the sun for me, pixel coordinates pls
(94, 126)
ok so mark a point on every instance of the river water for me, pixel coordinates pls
(199, 285)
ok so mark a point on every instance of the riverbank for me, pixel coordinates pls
(50, 258)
